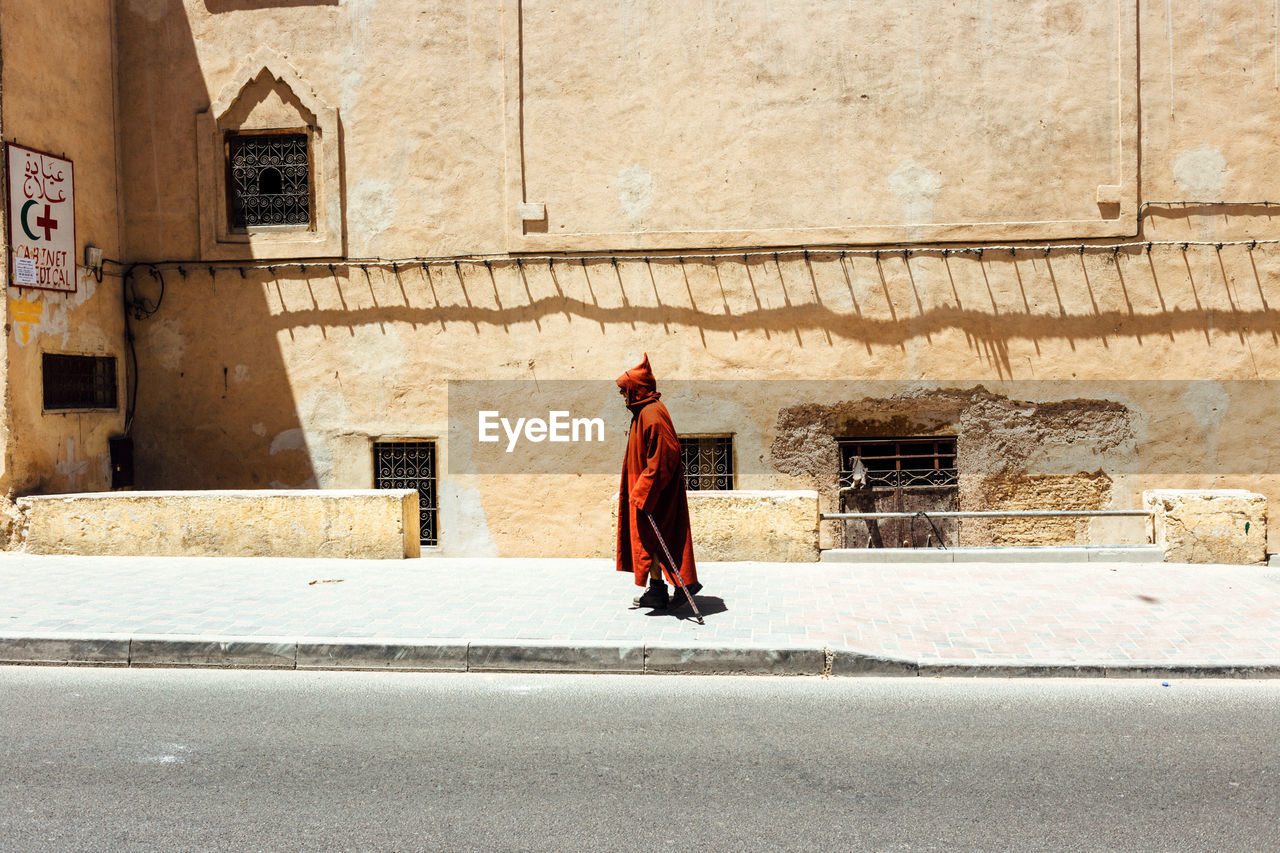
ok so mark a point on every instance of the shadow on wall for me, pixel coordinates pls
(208, 415)
(1091, 299)
(364, 345)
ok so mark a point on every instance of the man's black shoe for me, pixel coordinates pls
(656, 596)
(678, 598)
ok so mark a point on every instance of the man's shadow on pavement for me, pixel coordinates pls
(708, 604)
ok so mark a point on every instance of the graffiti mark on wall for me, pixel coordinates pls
(33, 316)
(27, 317)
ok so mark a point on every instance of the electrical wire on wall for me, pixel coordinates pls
(1029, 248)
(906, 250)
(140, 306)
(137, 306)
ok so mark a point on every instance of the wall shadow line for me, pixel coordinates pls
(981, 325)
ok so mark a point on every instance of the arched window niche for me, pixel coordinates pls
(268, 149)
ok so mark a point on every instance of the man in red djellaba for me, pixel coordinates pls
(653, 483)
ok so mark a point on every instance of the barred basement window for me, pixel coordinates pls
(268, 180)
(79, 381)
(410, 465)
(708, 462)
(912, 475)
(899, 463)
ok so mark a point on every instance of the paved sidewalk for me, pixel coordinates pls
(549, 614)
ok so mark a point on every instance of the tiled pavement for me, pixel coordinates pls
(1051, 614)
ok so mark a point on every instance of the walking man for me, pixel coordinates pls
(653, 484)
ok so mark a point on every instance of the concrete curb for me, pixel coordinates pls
(1003, 554)
(418, 655)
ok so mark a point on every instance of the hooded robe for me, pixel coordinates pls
(653, 482)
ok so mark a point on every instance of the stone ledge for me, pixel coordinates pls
(1209, 526)
(1010, 669)
(1193, 670)
(762, 526)
(352, 524)
(407, 655)
(847, 663)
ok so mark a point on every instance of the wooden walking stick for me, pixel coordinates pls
(675, 569)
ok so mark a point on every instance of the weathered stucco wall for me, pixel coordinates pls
(280, 382)
(417, 86)
(285, 376)
(650, 118)
(59, 95)
(794, 123)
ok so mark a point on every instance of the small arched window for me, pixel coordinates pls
(268, 149)
(270, 182)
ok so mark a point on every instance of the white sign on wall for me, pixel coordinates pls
(42, 220)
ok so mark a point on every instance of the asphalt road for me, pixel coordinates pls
(105, 760)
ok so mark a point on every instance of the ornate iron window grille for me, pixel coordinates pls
(79, 381)
(708, 462)
(900, 463)
(410, 465)
(268, 180)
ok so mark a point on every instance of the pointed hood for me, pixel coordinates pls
(640, 385)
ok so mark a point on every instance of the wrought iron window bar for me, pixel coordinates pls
(78, 381)
(268, 180)
(899, 463)
(410, 465)
(707, 462)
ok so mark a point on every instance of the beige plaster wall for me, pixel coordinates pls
(59, 96)
(804, 122)
(646, 119)
(285, 376)
(287, 379)
(417, 87)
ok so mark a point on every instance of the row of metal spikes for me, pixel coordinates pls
(396, 264)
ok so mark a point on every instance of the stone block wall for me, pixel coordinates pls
(772, 526)
(1209, 526)
(362, 524)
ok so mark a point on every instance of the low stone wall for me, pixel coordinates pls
(755, 525)
(364, 524)
(1209, 526)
